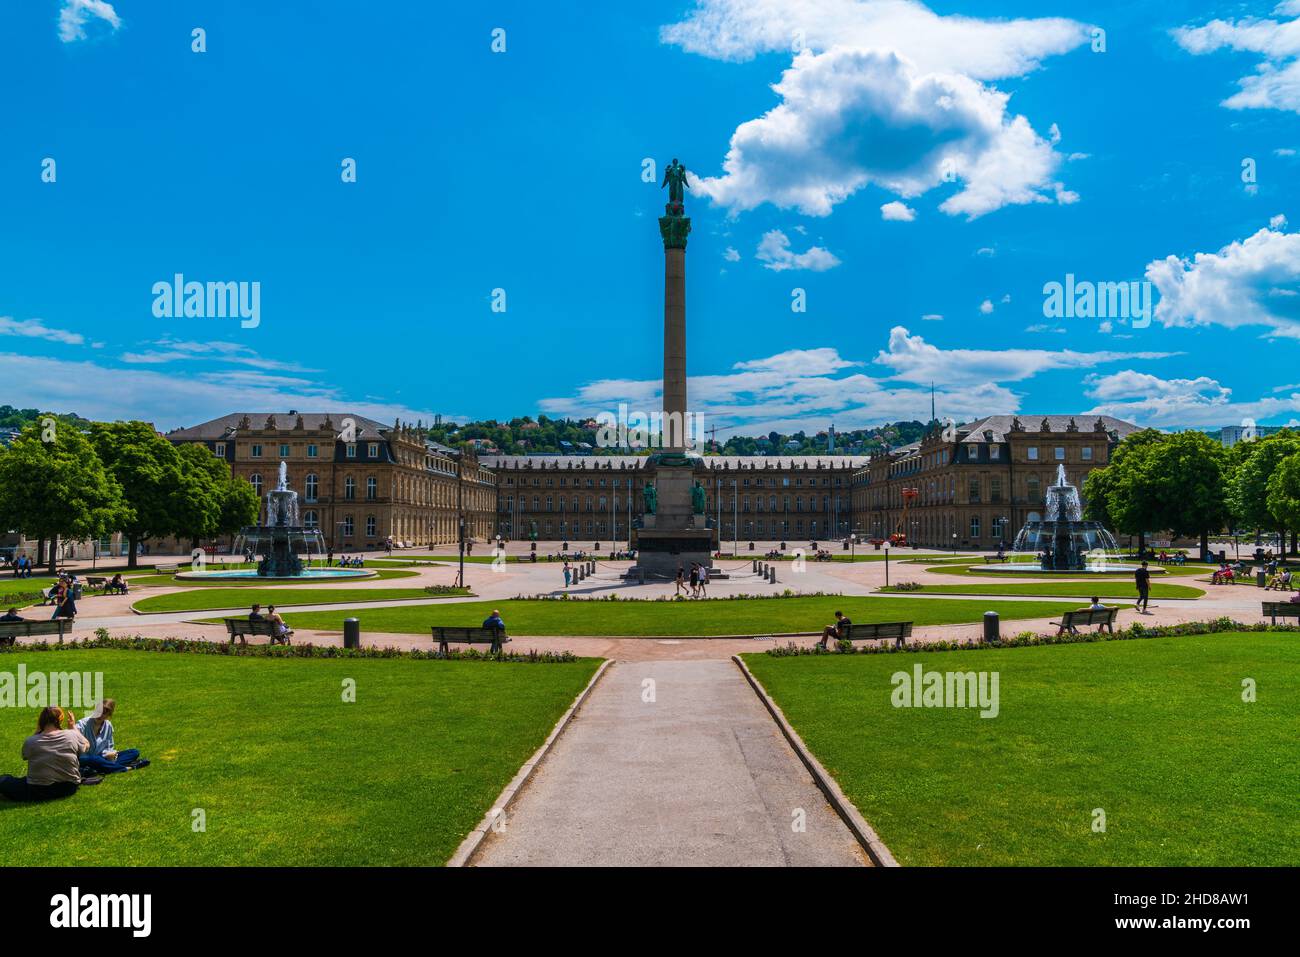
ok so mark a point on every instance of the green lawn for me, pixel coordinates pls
(1152, 731)
(986, 571)
(1106, 588)
(287, 773)
(685, 618)
(381, 574)
(200, 599)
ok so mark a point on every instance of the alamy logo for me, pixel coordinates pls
(58, 689)
(73, 910)
(946, 689)
(1098, 300)
(640, 430)
(214, 300)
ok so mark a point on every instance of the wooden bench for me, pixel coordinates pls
(1282, 609)
(167, 569)
(241, 628)
(92, 583)
(996, 558)
(495, 637)
(9, 630)
(899, 631)
(1101, 617)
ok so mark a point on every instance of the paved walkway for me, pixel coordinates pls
(700, 776)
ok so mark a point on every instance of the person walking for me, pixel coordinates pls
(567, 574)
(679, 583)
(1142, 577)
(704, 582)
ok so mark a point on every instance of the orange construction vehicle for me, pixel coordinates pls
(899, 537)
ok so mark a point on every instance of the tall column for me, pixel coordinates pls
(674, 227)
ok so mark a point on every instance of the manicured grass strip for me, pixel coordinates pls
(1107, 588)
(1153, 732)
(200, 599)
(986, 571)
(685, 618)
(381, 574)
(287, 773)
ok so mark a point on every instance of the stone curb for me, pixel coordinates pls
(469, 847)
(864, 833)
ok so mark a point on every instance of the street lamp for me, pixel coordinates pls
(886, 563)
(954, 543)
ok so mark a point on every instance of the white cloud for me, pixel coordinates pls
(986, 307)
(897, 212)
(173, 350)
(986, 251)
(730, 255)
(1284, 151)
(915, 360)
(36, 329)
(101, 392)
(1054, 134)
(1251, 282)
(1140, 396)
(1275, 84)
(883, 92)
(75, 14)
(1277, 222)
(775, 253)
(932, 317)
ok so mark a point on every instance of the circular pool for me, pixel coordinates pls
(1096, 568)
(309, 574)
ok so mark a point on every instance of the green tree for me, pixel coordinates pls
(1248, 491)
(1191, 471)
(54, 485)
(1283, 497)
(1127, 492)
(147, 467)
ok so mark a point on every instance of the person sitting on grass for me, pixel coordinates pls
(839, 631)
(53, 769)
(103, 756)
(279, 630)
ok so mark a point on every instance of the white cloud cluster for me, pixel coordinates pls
(174, 350)
(1275, 84)
(775, 253)
(881, 92)
(1202, 401)
(1251, 282)
(36, 329)
(806, 388)
(75, 14)
(897, 212)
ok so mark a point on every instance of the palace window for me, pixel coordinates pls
(1060, 454)
(372, 488)
(255, 452)
(349, 488)
(995, 489)
(1033, 453)
(974, 526)
(372, 450)
(311, 519)
(1086, 453)
(311, 485)
(351, 450)
(312, 451)
(256, 481)
(347, 526)
(284, 451)
(370, 526)
(220, 450)
(995, 452)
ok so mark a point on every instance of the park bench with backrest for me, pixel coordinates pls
(1071, 621)
(1282, 609)
(469, 636)
(93, 583)
(896, 631)
(995, 558)
(241, 628)
(9, 630)
(167, 569)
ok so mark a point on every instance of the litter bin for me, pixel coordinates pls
(991, 632)
(1261, 577)
(351, 633)
(76, 592)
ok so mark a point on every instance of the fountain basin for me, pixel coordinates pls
(1097, 568)
(312, 574)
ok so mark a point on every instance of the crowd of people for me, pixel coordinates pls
(20, 566)
(65, 753)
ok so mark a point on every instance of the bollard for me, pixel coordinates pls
(592, 569)
(753, 567)
(642, 571)
(351, 633)
(991, 632)
(771, 574)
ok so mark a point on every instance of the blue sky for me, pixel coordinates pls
(920, 172)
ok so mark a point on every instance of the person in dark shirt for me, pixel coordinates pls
(494, 620)
(256, 614)
(12, 615)
(1143, 579)
(838, 631)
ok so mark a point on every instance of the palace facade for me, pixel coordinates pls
(974, 486)
(359, 481)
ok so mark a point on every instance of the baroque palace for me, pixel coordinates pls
(362, 482)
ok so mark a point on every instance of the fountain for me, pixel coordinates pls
(281, 542)
(1064, 541)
